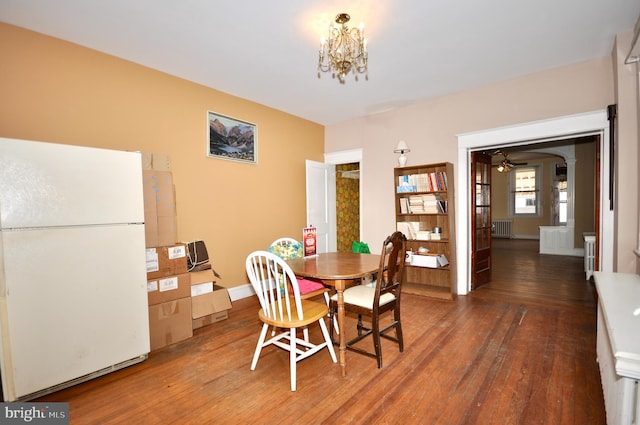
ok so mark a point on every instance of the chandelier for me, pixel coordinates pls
(344, 51)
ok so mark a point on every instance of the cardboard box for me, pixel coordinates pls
(165, 261)
(159, 231)
(151, 237)
(170, 322)
(168, 288)
(207, 299)
(167, 230)
(159, 208)
(155, 161)
(203, 276)
(210, 319)
(429, 260)
(159, 192)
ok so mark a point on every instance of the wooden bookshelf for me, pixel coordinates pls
(424, 198)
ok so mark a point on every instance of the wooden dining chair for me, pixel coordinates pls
(282, 308)
(374, 300)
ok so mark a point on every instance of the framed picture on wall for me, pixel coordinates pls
(231, 139)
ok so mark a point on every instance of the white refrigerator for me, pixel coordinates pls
(73, 300)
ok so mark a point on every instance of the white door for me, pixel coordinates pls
(321, 203)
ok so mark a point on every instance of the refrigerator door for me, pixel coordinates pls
(48, 184)
(73, 301)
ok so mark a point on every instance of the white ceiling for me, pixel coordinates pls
(266, 51)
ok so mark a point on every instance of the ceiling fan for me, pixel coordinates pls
(506, 164)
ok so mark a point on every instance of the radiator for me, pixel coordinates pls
(589, 256)
(501, 228)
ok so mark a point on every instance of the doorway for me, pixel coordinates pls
(347, 205)
(348, 196)
(593, 123)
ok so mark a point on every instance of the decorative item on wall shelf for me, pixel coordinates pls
(232, 139)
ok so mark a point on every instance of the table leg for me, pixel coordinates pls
(340, 285)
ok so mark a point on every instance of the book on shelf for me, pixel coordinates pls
(404, 206)
(423, 204)
(408, 228)
(423, 182)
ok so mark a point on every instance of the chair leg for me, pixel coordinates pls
(333, 323)
(305, 333)
(399, 330)
(335, 319)
(360, 326)
(375, 328)
(328, 340)
(256, 354)
(292, 358)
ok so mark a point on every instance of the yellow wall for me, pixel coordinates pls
(60, 92)
(523, 226)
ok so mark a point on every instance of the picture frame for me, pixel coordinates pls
(231, 139)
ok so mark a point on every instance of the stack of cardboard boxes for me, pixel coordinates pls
(179, 301)
(169, 295)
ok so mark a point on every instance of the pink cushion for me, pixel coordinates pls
(307, 286)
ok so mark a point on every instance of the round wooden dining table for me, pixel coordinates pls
(337, 269)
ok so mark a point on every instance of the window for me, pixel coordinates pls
(562, 202)
(559, 206)
(524, 199)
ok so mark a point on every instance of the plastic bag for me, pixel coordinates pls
(360, 247)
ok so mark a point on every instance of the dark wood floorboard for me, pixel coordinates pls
(520, 350)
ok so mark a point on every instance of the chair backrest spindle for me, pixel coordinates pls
(275, 285)
(391, 269)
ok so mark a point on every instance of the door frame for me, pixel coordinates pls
(531, 133)
(348, 157)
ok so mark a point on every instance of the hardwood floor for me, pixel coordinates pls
(520, 350)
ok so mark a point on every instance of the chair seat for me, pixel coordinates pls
(362, 296)
(313, 311)
(307, 286)
(310, 289)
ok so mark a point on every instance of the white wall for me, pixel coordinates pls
(430, 127)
